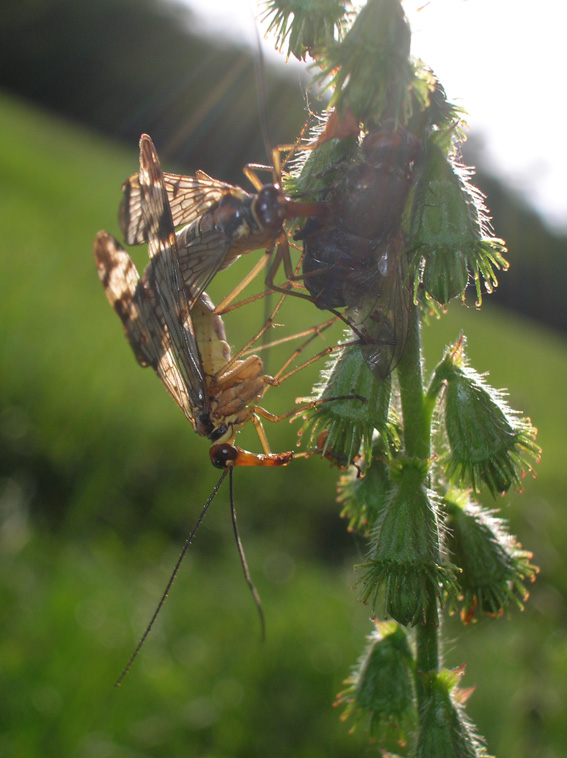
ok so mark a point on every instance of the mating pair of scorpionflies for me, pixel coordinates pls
(353, 258)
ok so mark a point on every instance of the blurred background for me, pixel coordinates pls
(101, 477)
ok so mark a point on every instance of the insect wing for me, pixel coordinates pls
(383, 318)
(192, 196)
(189, 198)
(122, 285)
(132, 301)
(166, 274)
(201, 256)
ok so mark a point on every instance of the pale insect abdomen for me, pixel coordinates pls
(210, 336)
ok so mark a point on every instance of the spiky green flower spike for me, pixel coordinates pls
(398, 232)
(488, 441)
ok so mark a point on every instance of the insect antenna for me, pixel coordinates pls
(243, 561)
(259, 70)
(174, 573)
(260, 76)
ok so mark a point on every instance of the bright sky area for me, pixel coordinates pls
(502, 60)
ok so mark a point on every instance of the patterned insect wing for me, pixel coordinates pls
(167, 281)
(133, 302)
(189, 198)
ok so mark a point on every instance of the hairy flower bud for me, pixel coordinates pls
(364, 497)
(406, 553)
(307, 26)
(493, 566)
(349, 423)
(371, 67)
(487, 439)
(381, 687)
(444, 730)
(450, 231)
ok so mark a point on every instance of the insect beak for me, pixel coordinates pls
(226, 455)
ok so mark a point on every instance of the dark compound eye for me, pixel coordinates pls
(269, 206)
(222, 456)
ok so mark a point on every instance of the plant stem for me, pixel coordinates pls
(417, 422)
(416, 413)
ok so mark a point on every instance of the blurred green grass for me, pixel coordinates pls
(102, 477)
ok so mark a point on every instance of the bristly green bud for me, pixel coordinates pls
(488, 441)
(450, 232)
(445, 732)
(380, 690)
(371, 70)
(364, 497)
(437, 113)
(493, 566)
(406, 553)
(307, 25)
(349, 424)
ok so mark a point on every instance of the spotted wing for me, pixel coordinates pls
(143, 327)
(165, 277)
(189, 198)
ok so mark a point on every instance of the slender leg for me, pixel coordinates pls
(222, 307)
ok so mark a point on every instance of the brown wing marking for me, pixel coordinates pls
(165, 274)
(189, 198)
(145, 330)
(192, 196)
(121, 282)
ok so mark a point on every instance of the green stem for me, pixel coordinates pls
(417, 421)
(416, 413)
(427, 640)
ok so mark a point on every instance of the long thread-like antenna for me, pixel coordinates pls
(244, 563)
(259, 71)
(188, 541)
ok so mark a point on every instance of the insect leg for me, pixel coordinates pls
(283, 256)
(269, 322)
(251, 169)
(222, 307)
(276, 418)
(251, 173)
(312, 333)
